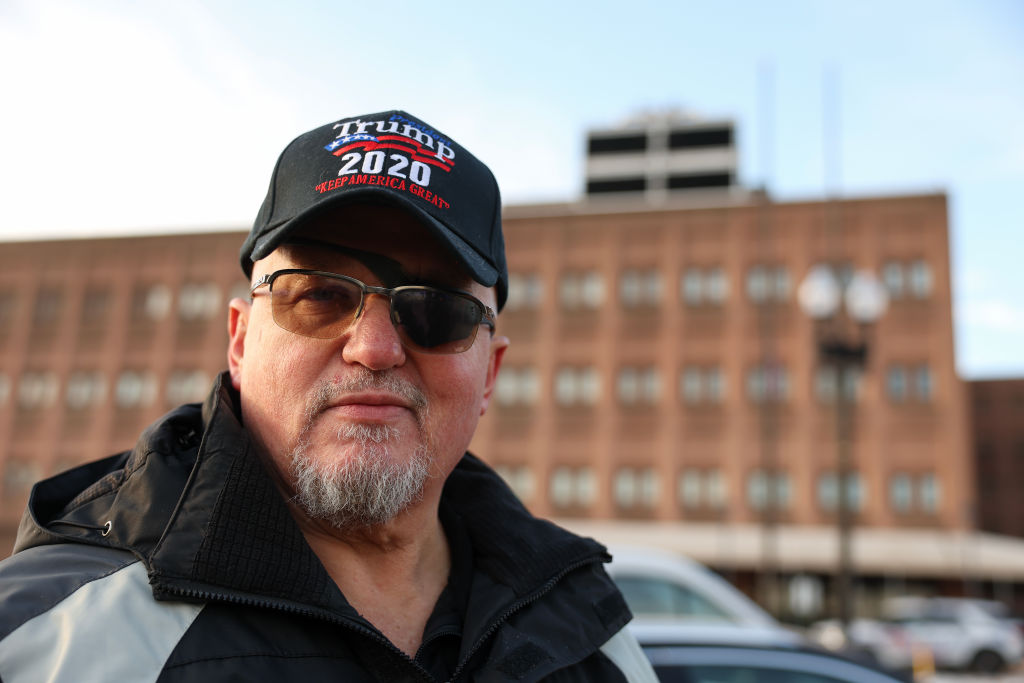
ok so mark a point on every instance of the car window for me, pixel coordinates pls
(737, 674)
(653, 597)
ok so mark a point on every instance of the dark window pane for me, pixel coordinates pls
(715, 137)
(622, 185)
(619, 144)
(686, 182)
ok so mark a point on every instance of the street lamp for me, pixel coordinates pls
(843, 317)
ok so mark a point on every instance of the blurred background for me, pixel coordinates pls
(765, 302)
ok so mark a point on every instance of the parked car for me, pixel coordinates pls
(887, 644)
(666, 586)
(677, 600)
(960, 633)
(738, 664)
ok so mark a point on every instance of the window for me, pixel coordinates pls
(86, 389)
(828, 491)
(151, 302)
(704, 286)
(710, 137)
(714, 489)
(519, 478)
(636, 488)
(905, 383)
(187, 386)
(37, 390)
(640, 288)
(48, 306)
(652, 596)
(826, 383)
(199, 301)
(905, 279)
(582, 290)
(767, 383)
(135, 389)
(896, 383)
(892, 277)
(699, 488)
(768, 284)
(573, 487)
(929, 490)
(525, 291)
(716, 285)
(923, 383)
(699, 385)
(919, 279)
(20, 475)
(764, 489)
(900, 493)
(577, 386)
(617, 143)
(517, 387)
(638, 385)
(95, 303)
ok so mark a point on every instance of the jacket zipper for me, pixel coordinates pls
(206, 596)
(515, 607)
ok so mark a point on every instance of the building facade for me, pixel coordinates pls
(98, 338)
(998, 435)
(661, 368)
(660, 373)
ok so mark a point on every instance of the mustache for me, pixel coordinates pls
(325, 392)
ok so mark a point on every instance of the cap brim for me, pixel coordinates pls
(477, 267)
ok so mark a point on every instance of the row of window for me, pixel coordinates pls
(701, 285)
(637, 488)
(150, 302)
(577, 290)
(642, 385)
(85, 389)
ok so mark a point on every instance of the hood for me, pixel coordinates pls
(128, 500)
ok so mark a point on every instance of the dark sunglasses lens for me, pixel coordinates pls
(314, 305)
(436, 321)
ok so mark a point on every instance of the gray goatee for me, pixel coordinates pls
(367, 486)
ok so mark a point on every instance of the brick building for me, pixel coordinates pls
(997, 407)
(662, 385)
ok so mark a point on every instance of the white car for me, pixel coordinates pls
(960, 633)
(665, 587)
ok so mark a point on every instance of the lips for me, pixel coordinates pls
(374, 406)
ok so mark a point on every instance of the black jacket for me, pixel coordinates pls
(179, 561)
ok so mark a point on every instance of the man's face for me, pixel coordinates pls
(361, 410)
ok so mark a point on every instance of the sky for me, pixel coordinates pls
(122, 117)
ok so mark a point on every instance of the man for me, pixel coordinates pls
(319, 518)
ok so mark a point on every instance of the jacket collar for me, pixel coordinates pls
(194, 501)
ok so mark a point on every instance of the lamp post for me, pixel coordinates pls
(843, 318)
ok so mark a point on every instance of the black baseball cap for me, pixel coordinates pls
(388, 158)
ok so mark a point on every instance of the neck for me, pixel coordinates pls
(392, 574)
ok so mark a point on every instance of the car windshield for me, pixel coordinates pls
(647, 596)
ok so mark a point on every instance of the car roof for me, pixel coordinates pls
(656, 564)
(656, 632)
(785, 659)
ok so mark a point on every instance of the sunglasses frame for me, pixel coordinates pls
(487, 315)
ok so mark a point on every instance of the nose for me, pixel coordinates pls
(372, 341)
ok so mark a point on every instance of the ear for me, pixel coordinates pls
(498, 347)
(238, 325)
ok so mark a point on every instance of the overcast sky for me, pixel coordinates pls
(127, 117)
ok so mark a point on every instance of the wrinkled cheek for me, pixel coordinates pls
(272, 405)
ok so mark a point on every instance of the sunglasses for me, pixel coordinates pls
(323, 305)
